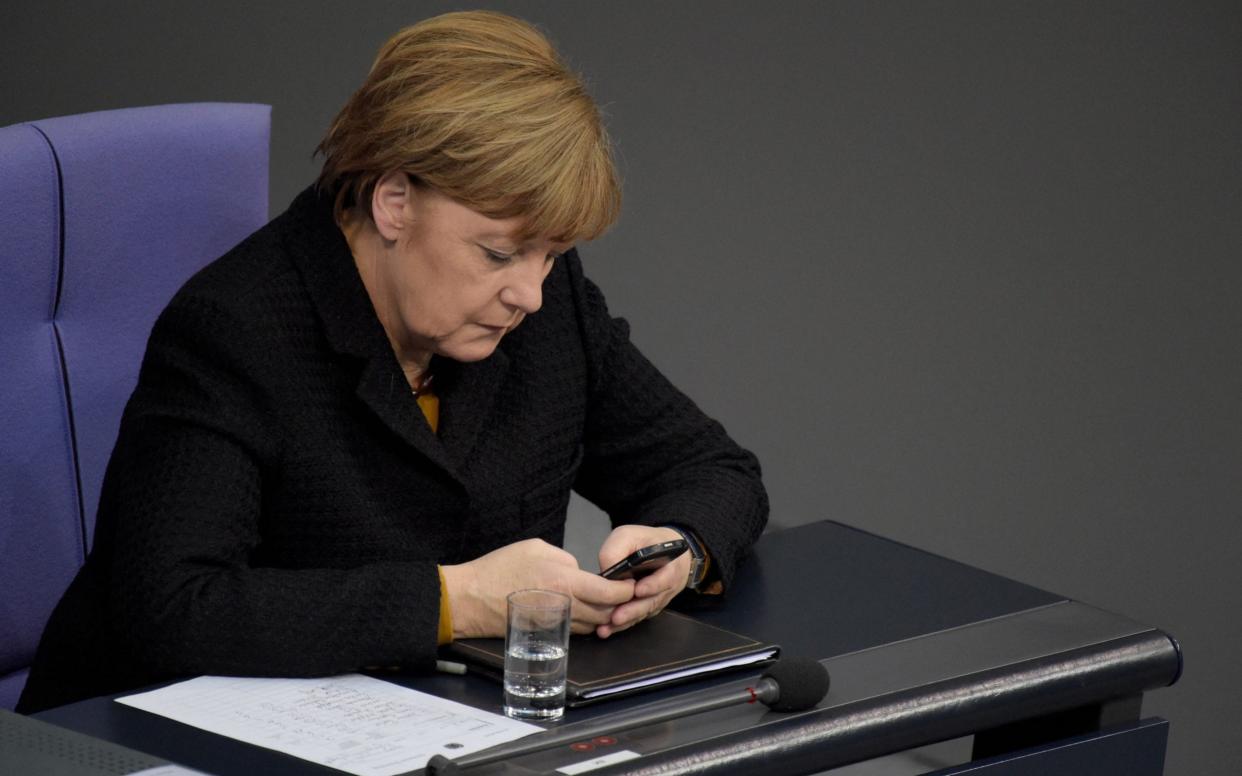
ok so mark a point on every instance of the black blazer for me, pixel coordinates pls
(276, 503)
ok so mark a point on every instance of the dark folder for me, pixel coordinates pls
(668, 648)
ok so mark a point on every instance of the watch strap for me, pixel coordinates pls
(698, 558)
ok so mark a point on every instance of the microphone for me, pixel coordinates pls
(794, 684)
(790, 684)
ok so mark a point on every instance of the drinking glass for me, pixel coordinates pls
(536, 654)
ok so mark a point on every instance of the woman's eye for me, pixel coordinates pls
(498, 258)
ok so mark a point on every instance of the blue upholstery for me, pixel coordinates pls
(103, 216)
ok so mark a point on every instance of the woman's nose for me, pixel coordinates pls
(525, 289)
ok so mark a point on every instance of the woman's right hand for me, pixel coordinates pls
(477, 589)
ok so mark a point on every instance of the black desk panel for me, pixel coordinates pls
(826, 589)
(920, 648)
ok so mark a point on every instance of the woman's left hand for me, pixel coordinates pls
(651, 593)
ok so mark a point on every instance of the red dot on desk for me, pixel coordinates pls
(605, 741)
(582, 746)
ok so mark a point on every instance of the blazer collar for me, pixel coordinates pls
(467, 391)
(322, 256)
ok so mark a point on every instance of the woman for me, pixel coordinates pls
(357, 431)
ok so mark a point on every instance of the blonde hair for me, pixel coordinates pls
(479, 106)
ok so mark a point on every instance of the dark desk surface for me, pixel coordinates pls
(826, 589)
(920, 649)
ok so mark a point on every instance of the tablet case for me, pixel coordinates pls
(665, 649)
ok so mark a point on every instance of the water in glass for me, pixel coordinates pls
(535, 680)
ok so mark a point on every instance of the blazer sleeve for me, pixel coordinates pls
(183, 504)
(651, 456)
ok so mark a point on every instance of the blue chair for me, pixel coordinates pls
(102, 217)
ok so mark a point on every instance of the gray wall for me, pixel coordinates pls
(963, 274)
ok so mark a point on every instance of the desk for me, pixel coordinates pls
(920, 648)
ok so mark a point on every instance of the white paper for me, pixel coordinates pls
(353, 723)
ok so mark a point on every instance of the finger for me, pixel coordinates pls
(590, 614)
(594, 589)
(671, 579)
(614, 629)
(625, 539)
(620, 543)
(636, 611)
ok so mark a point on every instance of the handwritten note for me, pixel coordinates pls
(353, 723)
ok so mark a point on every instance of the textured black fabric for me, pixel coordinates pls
(276, 503)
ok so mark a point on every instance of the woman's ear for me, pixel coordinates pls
(391, 204)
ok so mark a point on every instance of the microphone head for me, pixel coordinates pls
(439, 765)
(802, 683)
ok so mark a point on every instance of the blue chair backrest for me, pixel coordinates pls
(102, 217)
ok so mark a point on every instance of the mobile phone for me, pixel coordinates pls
(642, 562)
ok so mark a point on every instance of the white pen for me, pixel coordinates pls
(449, 667)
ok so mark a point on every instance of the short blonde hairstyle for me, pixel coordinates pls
(479, 106)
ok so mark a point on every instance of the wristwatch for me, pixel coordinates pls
(698, 558)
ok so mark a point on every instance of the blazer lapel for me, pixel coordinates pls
(383, 388)
(467, 402)
(349, 322)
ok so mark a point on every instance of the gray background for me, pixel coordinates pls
(962, 274)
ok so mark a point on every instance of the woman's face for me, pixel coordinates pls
(448, 280)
